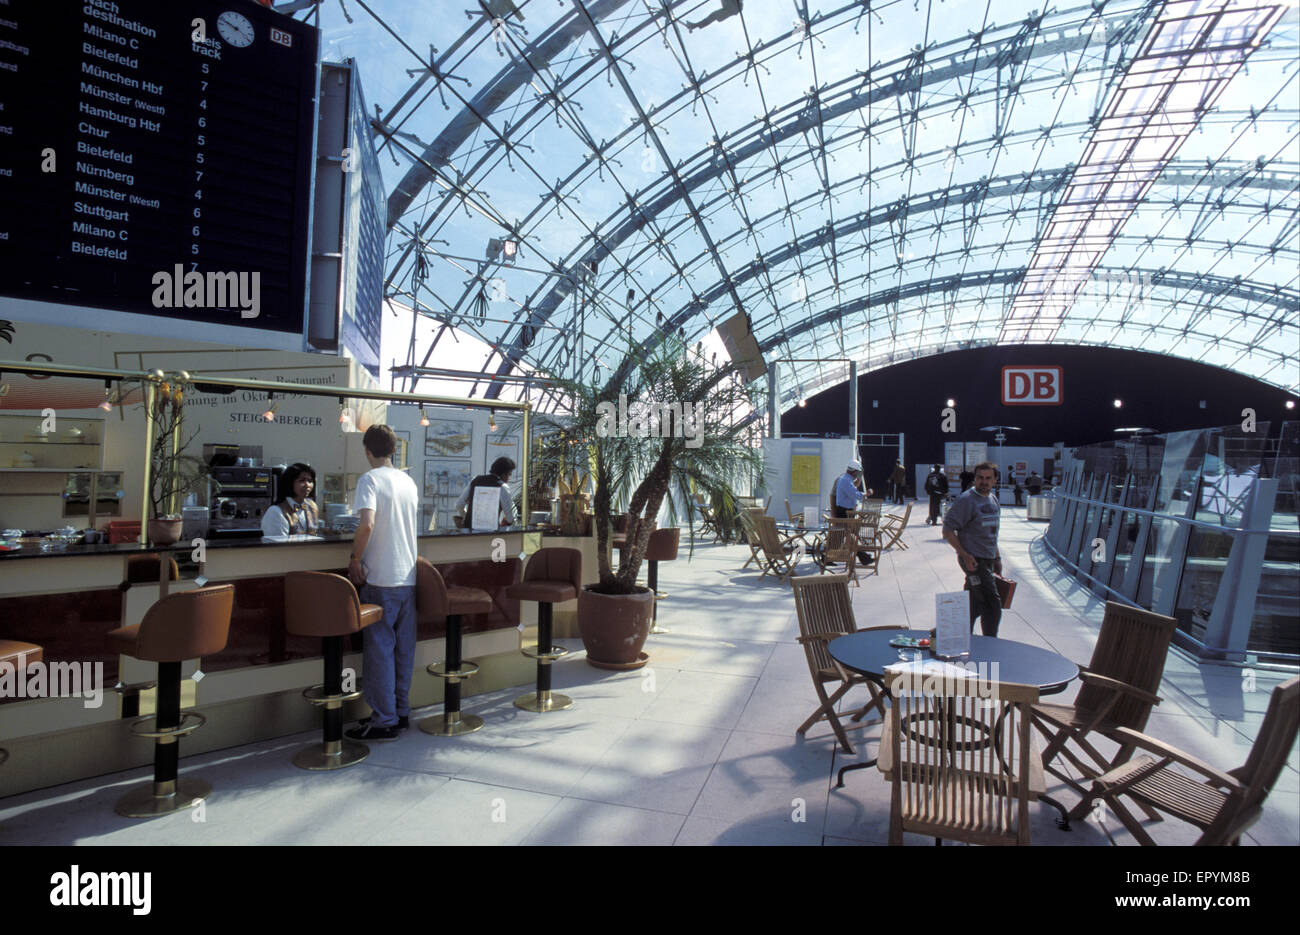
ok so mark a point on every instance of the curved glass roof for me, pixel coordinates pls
(876, 181)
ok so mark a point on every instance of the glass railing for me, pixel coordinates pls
(1201, 526)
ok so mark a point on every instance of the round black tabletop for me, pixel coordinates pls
(868, 652)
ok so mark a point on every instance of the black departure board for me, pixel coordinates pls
(155, 157)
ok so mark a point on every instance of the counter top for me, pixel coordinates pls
(130, 548)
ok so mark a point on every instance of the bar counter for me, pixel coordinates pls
(67, 600)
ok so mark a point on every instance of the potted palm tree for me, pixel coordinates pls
(660, 428)
(172, 473)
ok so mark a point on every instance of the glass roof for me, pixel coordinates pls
(877, 181)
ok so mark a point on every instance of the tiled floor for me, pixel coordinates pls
(696, 748)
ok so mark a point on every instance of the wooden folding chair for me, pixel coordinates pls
(1118, 691)
(1223, 805)
(959, 758)
(841, 548)
(780, 554)
(825, 614)
(751, 539)
(891, 528)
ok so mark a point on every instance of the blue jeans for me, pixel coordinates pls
(389, 654)
(984, 600)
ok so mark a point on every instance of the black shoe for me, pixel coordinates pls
(368, 733)
(403, 722)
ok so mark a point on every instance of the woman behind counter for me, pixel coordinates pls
(296, 513)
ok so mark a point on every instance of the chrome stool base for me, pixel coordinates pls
(162, 798)
(541, 702)
(451, 725)
(320, 757)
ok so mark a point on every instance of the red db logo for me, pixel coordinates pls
(1031, 386)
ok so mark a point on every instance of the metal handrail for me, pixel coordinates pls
(1179, 519)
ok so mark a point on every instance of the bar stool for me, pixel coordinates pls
(318, 603)
(553, 576)
(20, 655)
(435, 601)
(178, 627)
(662, 547)
(141, 569)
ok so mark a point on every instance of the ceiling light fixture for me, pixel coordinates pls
(424, 420)
(272, 406)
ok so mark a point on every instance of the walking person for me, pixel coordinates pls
(897, 481)
(936, 485)
(971, 528)
(382, 565)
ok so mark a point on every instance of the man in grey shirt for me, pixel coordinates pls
(971, 527)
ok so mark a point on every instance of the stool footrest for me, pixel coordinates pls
(190, 722)
(555, 652)
(316, 695)
(440, 670)
(123, 687)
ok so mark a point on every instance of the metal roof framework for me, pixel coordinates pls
(876, 181)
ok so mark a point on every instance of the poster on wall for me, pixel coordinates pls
(444, 480)
(805, 469)
(954, 455)
(401, 457)
(975, 453)
(448, 438)
(498, 446)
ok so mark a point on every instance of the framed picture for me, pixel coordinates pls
(446, 477)
(497, 446)
(448, 438)
(403, 453)
(444, 481)
(334, 489)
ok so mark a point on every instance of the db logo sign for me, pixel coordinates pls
(1031, 386)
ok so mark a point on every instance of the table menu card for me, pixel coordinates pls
(952, 624)
(810, 517)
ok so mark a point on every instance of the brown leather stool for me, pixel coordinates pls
(435, 601)
(317, 603)
(18, 655)
(179, 627)
(552, 576)
(140, 569)
(662, 547)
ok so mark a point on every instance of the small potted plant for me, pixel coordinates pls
(172, 474)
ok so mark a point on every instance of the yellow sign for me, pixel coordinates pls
(805, 474)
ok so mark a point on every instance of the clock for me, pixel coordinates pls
(235, 29)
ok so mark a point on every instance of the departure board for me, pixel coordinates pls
(155, 157)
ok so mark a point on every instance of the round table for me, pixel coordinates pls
(868, 652)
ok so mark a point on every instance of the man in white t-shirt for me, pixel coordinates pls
(383, 567)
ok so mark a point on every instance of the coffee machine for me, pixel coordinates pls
(237, 499)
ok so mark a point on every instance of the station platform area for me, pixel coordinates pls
(699, 747)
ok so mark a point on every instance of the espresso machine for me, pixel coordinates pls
(237, 499)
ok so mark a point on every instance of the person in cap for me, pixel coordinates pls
(848, 494)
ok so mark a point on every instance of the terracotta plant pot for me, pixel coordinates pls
(614, 627)
(164, 531)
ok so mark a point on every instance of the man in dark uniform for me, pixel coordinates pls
(936, 485)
